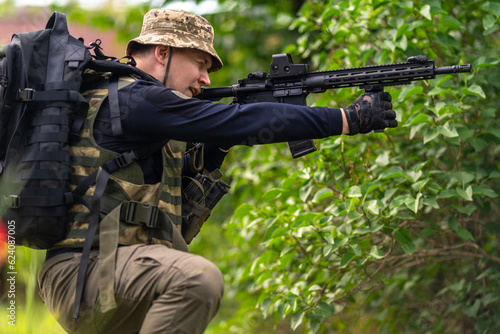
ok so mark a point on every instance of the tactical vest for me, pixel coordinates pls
(147, 213)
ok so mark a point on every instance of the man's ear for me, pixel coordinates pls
(161, 53)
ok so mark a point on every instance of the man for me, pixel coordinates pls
(150, 283)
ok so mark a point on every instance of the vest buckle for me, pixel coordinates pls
(125, 159)
(12, 201)
(138, 213)
(27, 95)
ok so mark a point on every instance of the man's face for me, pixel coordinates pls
(189, 71)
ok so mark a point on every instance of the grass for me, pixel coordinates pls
(31, 315)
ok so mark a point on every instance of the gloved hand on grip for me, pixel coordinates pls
(372, 111)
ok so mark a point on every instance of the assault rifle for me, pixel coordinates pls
(291, 83)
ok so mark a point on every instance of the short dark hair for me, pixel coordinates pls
(136, 49)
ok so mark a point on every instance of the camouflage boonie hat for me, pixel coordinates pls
(179, 29)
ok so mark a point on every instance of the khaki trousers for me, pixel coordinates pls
(157, 289)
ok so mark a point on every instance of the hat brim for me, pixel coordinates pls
(176, 43)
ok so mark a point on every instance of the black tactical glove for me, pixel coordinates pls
(372, 111)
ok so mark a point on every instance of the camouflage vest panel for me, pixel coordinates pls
(161, 201)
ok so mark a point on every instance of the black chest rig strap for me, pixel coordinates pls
(100, 178)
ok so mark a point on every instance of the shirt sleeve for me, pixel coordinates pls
(161, 113)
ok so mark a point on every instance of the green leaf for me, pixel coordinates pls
(383, 159)
(314, 287)
(286, 259)
(466, 210)
(463, 177)
(448, 130)
(305, 174)
(478, 144)
(494, 132)
(464, 234)
(415, 24)
(269, 233)
(403, 236)
(326, 309)
(492, 7)
(392, 173)
(356, 248)
(353, 215)
(374, 228)
(372, 207)
(452, 223)
(488, 21)
(452, 23)
(419, 119)
(409, 248)
(264, 277)
(489, 298)
(449, 110)
(322, 194)
(403, 44)
(271, 221)
(305, 192)
(431, 202)
(482, 62)
(242, 211)
(447, 193)
(368, 187)
(270, 194)
(404, 215)
(427, 232)
(347, 258)
(375, 253)
(329, 12)
(297, 319)
(465, 194)
(474, 90)
(314, 325)
(439, 91)
(419, 185)
(426, 12)
(413, 203)
(430, 134)
(491, 30)
(494, 175)
(280, 231)
(354, 191)
(461, 232)
(484, 190)
(439, 106)
(345, 229)
(472, 310)
(409, 91)
(264, 304)
(415, 129)
(338, 242)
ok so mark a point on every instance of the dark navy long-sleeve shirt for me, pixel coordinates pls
(151, 114)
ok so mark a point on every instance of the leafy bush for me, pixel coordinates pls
(395, 231)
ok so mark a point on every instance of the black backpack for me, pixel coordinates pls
(41, 110)
(40, 78)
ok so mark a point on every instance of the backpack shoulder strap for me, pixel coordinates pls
(119, 68)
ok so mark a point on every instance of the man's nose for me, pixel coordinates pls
(204, 79)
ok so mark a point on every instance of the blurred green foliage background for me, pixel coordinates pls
(394, 232)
